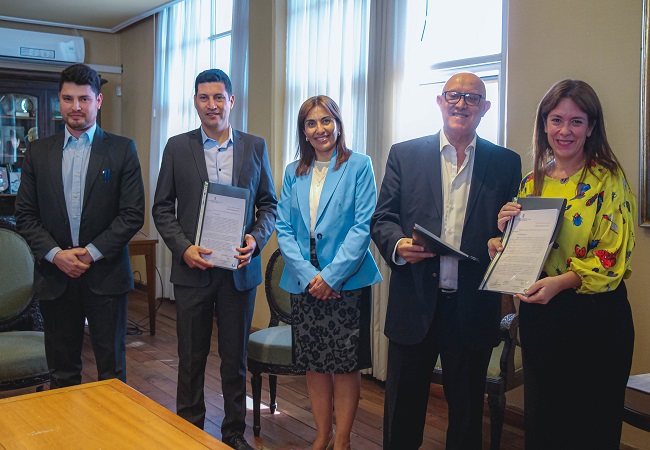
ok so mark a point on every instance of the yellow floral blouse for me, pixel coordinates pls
(596, 238)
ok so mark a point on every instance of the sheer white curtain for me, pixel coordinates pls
(385, 66)
(327, 48)
(239, 65)
(182, 51)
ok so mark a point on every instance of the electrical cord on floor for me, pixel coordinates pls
(137, 328)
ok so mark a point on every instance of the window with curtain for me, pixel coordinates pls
(442, 38)
(327, 53)
(194, 35)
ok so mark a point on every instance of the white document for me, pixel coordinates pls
(221, 223)
(526, 247)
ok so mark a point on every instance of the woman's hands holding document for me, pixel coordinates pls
(543, 290)
(508, 211)
(495, 245)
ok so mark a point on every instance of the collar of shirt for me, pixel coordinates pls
(90, 132)
(209, 143)
(444, 142)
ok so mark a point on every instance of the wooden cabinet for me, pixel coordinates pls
(29, 109)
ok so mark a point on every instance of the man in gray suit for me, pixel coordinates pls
(81, 200)
(216, 153)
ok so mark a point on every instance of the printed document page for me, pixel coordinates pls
(222, 229)
(515, 269)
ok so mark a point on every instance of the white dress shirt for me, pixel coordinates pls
(455, 192)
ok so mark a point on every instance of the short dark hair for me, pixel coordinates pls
(213, 76)
(82, 75)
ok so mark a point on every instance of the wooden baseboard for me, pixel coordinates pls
(140, 286)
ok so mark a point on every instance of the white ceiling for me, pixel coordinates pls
(96, 15)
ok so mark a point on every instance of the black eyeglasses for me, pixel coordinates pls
(454, 97)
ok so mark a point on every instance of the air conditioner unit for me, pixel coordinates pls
(40, 47)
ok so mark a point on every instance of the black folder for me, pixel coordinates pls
(433, 244)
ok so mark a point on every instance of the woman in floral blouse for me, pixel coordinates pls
(576, 327)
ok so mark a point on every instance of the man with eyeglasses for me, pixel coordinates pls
(452, 183)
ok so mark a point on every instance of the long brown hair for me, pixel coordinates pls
(305, 152)
(596, 146)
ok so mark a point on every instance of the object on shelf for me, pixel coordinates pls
(24, 107)
(14, 181)
(6, 105)
(4, 180)
(32, 135)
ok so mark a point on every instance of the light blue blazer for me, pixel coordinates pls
(342, 229)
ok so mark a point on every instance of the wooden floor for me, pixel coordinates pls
(152, 370)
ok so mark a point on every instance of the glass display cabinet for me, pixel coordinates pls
(29, 110)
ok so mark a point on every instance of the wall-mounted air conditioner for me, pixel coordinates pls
(37, 47)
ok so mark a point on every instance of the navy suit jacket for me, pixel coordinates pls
(178, 196)
(411, 193)
(113, 212)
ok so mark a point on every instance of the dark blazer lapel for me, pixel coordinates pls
(240, 154)
(430, 161)
(98, 151)
(196, 146)
(55, 164)
(481, 157)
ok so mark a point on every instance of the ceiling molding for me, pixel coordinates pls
(76, 22)
(56, 24)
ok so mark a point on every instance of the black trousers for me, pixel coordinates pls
(577, 354)
(409, 378)
(64, 321)
(195, 308)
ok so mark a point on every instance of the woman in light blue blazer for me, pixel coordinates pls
(323, 225)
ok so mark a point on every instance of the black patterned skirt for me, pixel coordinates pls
(331, 336)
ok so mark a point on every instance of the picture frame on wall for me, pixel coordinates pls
(644, 151)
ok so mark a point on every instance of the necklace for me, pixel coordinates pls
(319, 175)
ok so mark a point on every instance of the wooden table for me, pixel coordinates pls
(141, 245)
(636, 411)
(105, 414)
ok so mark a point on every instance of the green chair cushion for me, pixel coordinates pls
(16, 274)
(494, 368)
(22, 354)
(271, 346)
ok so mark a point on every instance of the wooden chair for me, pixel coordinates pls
(504, 373)
(22, 348)
(270, 349)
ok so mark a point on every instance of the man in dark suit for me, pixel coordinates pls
(81, 200)
(452, 183)
(216, 153)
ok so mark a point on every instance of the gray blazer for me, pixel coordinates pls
(178, 194)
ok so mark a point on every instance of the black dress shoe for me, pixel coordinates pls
(237, 442)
